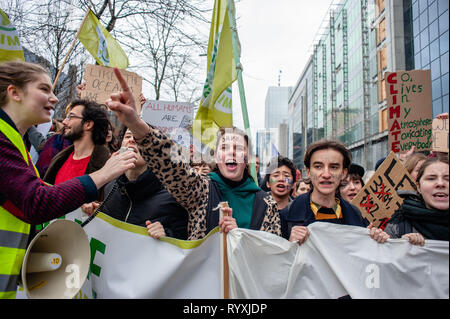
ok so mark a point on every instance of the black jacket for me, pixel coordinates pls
(145, 199)
(299, 213)
(414, 217)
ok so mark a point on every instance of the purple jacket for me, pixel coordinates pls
(26, 196)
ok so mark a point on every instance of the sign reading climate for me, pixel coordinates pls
(409, 110)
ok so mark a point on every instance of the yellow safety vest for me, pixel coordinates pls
(13, 231)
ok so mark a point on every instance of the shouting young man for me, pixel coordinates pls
(327, 165)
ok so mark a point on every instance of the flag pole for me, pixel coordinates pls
(70, 50)
(240, 81)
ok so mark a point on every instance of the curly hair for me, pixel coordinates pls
(96, 113)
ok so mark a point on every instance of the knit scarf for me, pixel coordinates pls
(431, 223)
(239, 195)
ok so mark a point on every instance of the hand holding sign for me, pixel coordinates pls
(124, 105)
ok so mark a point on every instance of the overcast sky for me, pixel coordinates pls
(274, 35)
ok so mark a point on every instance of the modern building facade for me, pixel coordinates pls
(341, 91)
(276, 107)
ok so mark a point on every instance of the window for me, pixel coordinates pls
(381, 34)
(417, 44)
(444, 63)
(434, 50)
(436, 88)
(443, 22)
(443, 41)
(435, 69)
(424, 38)
(425, 57)
(442, 5)
(380, 6)
(382, 121)
(444, 80)
(423, 20)
(434, 30)
(432, 11)
(422, 5)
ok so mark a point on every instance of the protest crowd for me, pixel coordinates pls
(150, 184)
(140, 175)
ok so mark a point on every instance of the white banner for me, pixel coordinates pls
(128, 263)
(335, 261)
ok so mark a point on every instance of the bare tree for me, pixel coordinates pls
(162, 38)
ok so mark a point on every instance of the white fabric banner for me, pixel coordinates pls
(128, 263)
(335, 261)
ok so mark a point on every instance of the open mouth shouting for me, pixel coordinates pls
(231, 165)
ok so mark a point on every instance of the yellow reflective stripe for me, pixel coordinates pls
(10, 222)
(8, 295)
(11, 260)
(17, 140)
(14, 137)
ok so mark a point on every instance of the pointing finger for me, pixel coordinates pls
(121, 80)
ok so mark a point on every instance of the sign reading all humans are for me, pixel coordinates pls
(172, 118)
(440, 135)
(378, 199)
(101, 82)
(410, 110)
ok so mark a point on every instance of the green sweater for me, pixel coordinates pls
(240, 198)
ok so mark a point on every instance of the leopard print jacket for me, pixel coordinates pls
(170, 163)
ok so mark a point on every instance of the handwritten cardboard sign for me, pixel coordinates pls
(101, 82)
(410, 110)
(378, 199)
(172, 118)
(440, 135)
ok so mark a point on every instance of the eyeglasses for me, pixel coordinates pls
(71, 116)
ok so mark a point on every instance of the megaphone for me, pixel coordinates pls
(56, 262)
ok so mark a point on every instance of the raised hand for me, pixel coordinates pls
(124, 105)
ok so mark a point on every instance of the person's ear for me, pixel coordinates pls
(89, 125)
(344, 173)
(14, 93)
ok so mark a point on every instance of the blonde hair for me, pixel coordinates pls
(19, 74)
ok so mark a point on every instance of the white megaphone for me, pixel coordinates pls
(56, 262)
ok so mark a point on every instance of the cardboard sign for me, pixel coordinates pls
(440, 135)
(101, 82)
(172, 118)
(378, 199)
(410, 110)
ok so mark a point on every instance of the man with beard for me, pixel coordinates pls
(86, 125)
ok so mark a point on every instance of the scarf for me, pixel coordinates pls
(431, 223)
(239, 195)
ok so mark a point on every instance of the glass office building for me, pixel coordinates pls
(429, 22)
(341, 92)
(333, 97)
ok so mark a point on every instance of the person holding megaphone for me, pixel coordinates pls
(26, 99)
